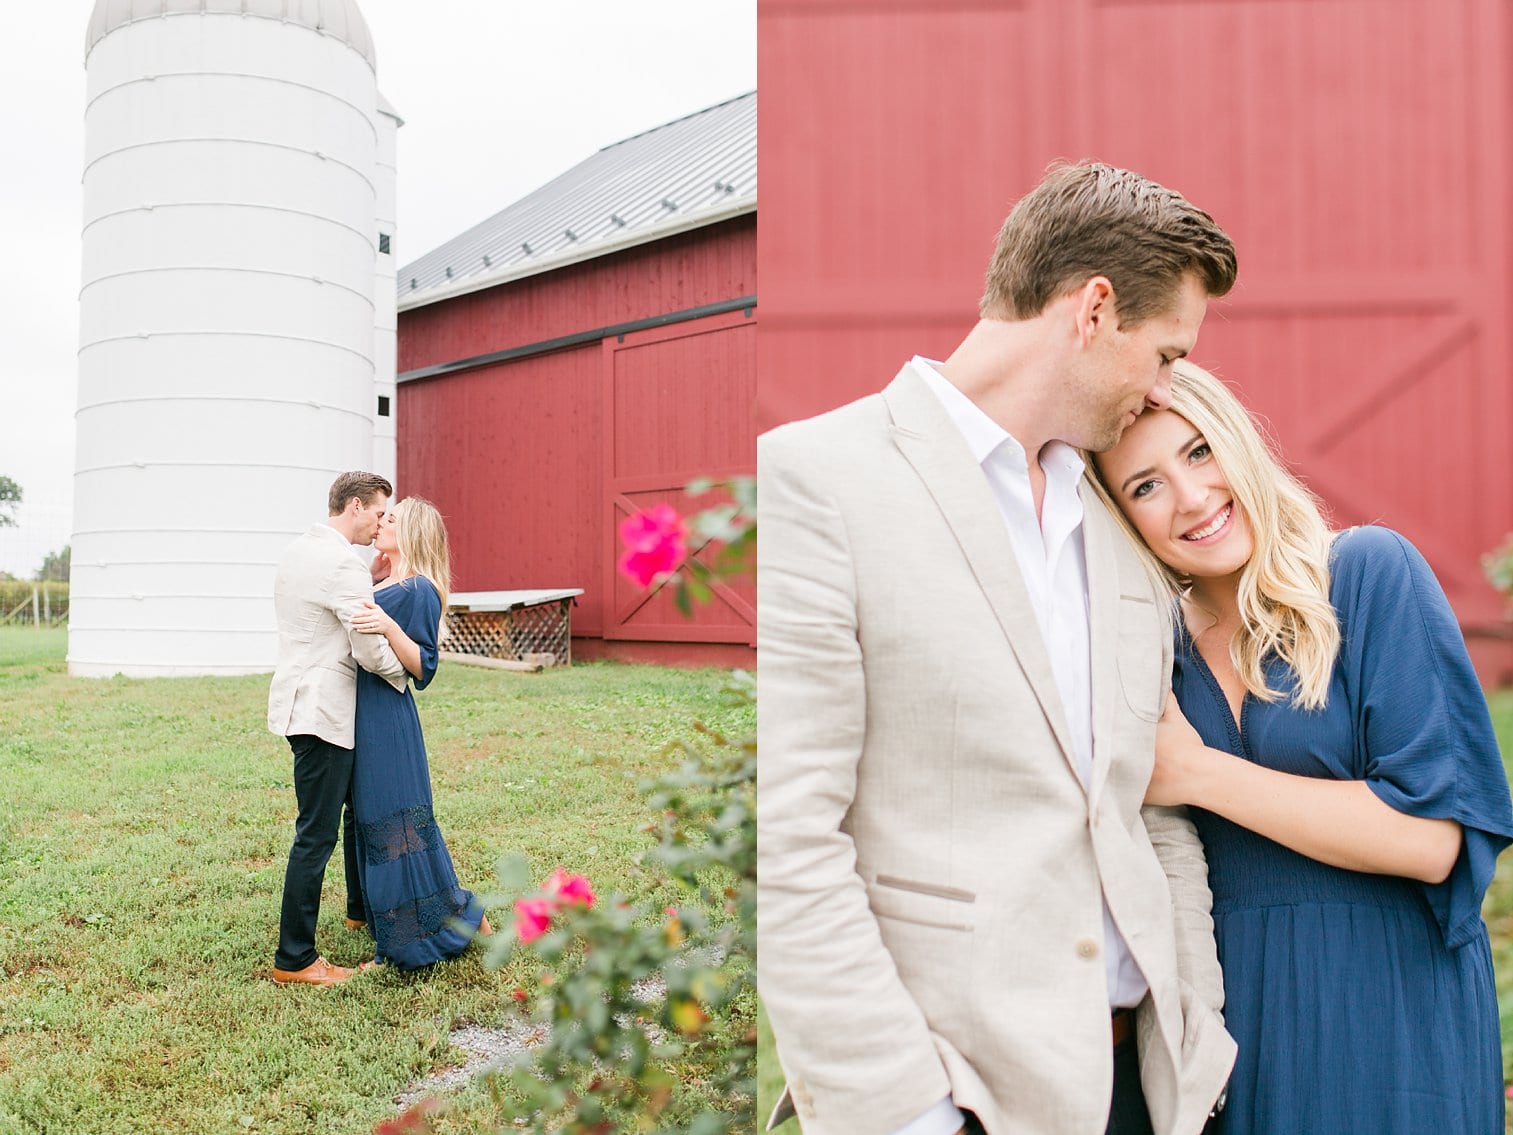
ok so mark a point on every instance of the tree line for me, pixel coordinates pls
(55, 565)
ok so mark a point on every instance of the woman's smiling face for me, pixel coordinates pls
(1166, 481)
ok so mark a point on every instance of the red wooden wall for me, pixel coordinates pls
(1357, 150)
(534, 460)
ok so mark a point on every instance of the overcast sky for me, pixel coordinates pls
(497, 99)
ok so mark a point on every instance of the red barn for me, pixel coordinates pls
(1357, 150)
(585, 353)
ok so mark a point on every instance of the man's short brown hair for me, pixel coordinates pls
(1088, 220)
(356, 483)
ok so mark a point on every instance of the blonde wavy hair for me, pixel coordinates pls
(422, 539)
(1284, 587)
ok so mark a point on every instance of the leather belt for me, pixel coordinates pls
(1123, 1025)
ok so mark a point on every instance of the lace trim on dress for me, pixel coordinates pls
(421, 918)
(400, 833)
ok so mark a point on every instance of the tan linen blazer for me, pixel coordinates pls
(320, 585)
(930, 868)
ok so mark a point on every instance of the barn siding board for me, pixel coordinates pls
(1358, 151)
(514, 453)
(500, 450)
(704, 266)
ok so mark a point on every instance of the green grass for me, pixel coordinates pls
(1498, 909)
(144, 827)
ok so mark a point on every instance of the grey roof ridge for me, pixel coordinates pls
(583, 212)
(543, 203)
(683, 118)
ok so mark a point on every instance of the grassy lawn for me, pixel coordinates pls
(144, 827)
(1498, 909)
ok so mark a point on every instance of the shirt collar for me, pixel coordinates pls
(984, 437)
(324, 531)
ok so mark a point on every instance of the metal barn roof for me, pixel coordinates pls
(688, 173)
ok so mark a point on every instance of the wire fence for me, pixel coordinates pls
(33, 604)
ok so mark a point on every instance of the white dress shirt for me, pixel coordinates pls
(1053, 563)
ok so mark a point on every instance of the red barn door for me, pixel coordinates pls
(1357, 150)
(677, 407)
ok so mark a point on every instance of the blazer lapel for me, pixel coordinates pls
(932, 445)
(1098, 535)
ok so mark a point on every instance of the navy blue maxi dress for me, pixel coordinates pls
(409, 885)
(1362, 1003)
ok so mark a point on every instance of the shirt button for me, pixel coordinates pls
(1087, 948)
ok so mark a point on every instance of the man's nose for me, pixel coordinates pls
(1160, 396)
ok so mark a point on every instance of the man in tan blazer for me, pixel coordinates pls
(965, 921)
(320, 585)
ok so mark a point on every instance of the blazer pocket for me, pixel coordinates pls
(922, 903)
(1139, 656)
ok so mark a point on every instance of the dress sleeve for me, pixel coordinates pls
(422, 621)
(1425, 733)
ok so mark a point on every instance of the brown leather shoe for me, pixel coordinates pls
(354, 923)
(484, 929)
(318, 972)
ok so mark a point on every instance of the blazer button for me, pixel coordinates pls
(1087, 948)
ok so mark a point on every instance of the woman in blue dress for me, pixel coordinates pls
(417, 912)
(1341, 768)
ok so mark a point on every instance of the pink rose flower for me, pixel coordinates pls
(656, 542)
(571, 890)
(532, 917)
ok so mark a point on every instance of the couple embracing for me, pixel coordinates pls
(347, 656)
(1103, 787)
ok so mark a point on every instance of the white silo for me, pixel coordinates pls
(386, 296)
(227, 319)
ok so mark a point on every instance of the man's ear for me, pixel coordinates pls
(1094, 308)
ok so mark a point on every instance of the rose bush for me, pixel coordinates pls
(628, 990)
(656, 542)
(533, 916)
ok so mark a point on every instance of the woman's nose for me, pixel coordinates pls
(1191, 493)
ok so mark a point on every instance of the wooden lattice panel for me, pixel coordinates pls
(539, 633)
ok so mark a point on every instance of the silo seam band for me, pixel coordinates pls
(322, 282)
(210, 331)
(290, 532)
(366, 237)
(280, 465)
(237, 75)
(159, 563)
(228, 398)
(319, 156)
